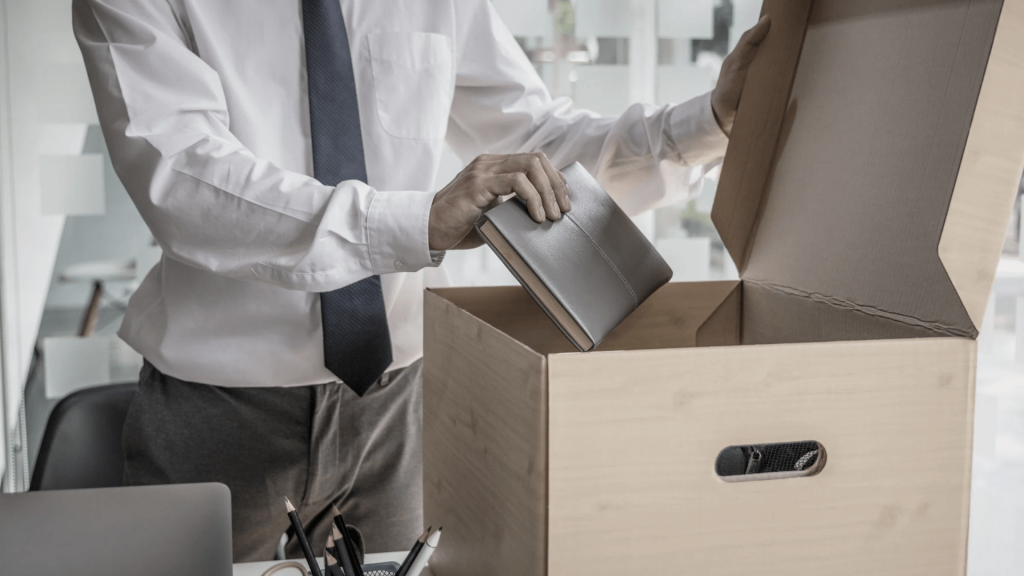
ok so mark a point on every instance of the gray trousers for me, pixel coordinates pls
(317, 445)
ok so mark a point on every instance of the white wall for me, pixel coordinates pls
(118, 234)
(5, 186)
(45, 107)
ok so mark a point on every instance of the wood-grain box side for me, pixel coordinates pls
(484, 445)
(634, 436)
(968, 454)
(986, 185)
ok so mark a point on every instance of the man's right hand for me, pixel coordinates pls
(481, 185)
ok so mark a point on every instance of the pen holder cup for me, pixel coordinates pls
(381, 569)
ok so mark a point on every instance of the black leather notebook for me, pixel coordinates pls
(589, 270)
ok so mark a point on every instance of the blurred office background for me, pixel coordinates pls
(73, 248)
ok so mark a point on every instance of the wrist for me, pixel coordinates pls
(433, 229)
(724, 122)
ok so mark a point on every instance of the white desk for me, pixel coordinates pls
(258, 568)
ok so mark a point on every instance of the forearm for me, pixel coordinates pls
(648, 156)
(218, 208)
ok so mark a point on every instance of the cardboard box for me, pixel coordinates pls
(864, 198)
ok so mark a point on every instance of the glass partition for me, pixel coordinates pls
(605, 55)
(73, 244)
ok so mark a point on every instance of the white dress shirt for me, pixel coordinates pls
(204, 108)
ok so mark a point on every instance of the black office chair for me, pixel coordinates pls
(82, 443)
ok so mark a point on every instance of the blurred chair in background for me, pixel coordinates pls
(82, 444)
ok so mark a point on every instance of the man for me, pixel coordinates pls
(282, 153)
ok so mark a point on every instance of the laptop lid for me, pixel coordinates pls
(150, 530)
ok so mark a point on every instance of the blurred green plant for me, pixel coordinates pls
(696, 224)
(565, 18)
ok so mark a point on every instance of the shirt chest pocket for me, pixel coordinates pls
(412, 82)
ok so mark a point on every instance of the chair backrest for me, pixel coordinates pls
(82, 443)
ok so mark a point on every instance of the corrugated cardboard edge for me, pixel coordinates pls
(972, 375)
(759, 120)
(493, 390)
(774, 316)
(990, 171)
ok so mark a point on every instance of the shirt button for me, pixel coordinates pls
(385, 379)
(399, 264)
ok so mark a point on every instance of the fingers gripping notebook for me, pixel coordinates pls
(589, 270)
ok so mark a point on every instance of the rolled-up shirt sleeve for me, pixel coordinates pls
(647, 157)
(208, 200)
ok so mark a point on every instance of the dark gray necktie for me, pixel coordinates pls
(357, 344)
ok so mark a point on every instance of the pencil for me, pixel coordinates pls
(411, 558)
(330, 564)
(300, 534)
(350, 545)
(428, 549)
(348, 564)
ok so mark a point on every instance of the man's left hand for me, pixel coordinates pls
(725, 98)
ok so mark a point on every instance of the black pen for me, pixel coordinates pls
(424, 556)
(348, 563)
(411, 558)
(300, 534)
(350, 546)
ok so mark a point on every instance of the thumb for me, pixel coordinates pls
(746, 48)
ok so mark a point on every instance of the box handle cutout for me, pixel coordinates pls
(770, 461)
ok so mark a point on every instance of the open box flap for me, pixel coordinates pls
(876, 156)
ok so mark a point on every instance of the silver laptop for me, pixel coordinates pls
(147, 530)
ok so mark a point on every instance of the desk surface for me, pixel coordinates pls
(258, 568)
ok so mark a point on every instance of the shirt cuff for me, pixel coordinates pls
(696, 136)
(396, 226)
